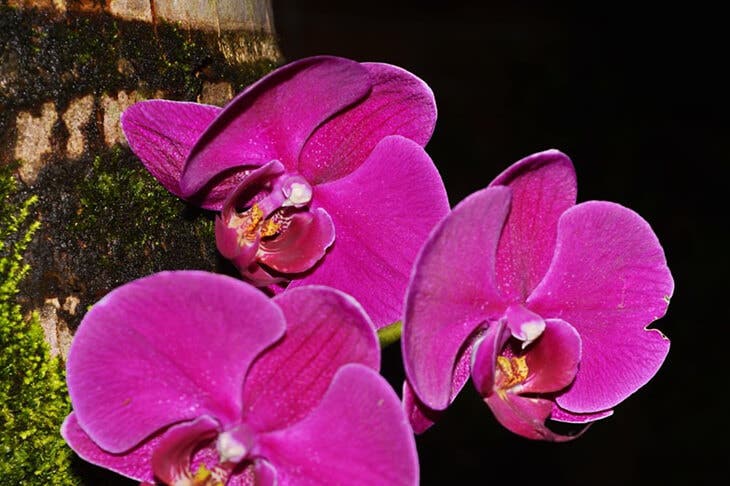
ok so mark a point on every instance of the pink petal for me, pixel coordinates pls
(543, 186)
(230, 246)
(166, 348)
(325, 330)
(420, 416)
(273, 118)
(560, 415)
(609, 279)
(525, 416)
(301, 245)
(227, 240)
(398, 104)
(264, 475)
(250, 182)
(135, 463)
(484, 356)
(382, 213)
(553, 359)
(358, 435)
(172, 457)
(452, 292)
(161, 133)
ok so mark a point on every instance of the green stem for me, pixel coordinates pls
(390, 334)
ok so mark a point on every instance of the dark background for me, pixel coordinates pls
(634, 98)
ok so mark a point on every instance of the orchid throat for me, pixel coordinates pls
(277, 234)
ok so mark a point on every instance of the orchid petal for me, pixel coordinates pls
(543, 187)
(264, 475)
(553, 359)
(419, 415)
(382, 213)
(422, 417)
(398, 104)
(302, 244)
(166, 348)
(241, 252)
(261, 278)
(609, 279)
(484, 357)
(172, 457)
(452, 292)
(250, 180)
(273, 118)
(358, 435)
(560, 415)
(135, 463)
(325, 330)
(162, 133)
(525, 416)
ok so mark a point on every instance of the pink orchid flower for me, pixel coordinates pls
(318, 170)
(193, 378)
(542, 302)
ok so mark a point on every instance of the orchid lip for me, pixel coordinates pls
(279, 231)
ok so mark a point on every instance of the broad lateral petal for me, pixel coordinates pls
(166, 348)
(303, 244)
(543, 187)
(162, 133)
(274, 117)
(609, 279)
(358, 435)
(135, 464)
(398, 104)
(525, 416)
(325, 330)
(553, 359)
(383, 213)
(452, 292)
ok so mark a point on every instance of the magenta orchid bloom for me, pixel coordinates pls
(542, 302)
(193, 378)
(318, 170)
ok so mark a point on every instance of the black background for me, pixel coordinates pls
(634, 97)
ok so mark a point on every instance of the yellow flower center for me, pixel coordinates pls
(251, 224)
(514, 370)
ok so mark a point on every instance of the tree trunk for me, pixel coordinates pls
(68, 68)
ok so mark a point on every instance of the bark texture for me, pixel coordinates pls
(68, 68)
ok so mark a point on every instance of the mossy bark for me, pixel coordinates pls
(94, 218)
(68, 68)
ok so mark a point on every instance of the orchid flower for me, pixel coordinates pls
(544, 303)
(318, 170)
(193, 378)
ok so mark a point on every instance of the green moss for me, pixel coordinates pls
(42, 57)
(129, 206)
(33, 396)
(128, 220)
